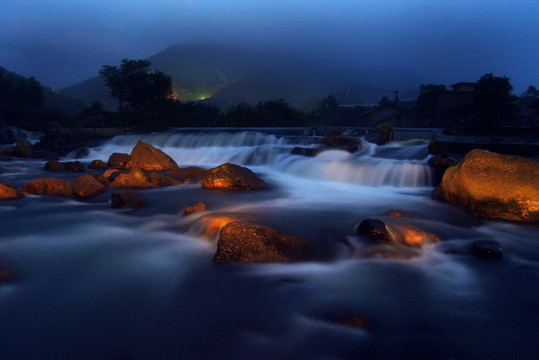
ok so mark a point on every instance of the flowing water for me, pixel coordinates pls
(91, 282)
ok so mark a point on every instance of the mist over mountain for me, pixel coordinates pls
(229, 74)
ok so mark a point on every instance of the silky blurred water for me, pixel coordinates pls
(91, 282)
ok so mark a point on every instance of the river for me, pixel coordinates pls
(92, 282)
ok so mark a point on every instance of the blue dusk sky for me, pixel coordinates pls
(62, 42)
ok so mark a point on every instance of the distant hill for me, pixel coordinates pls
(52, 99)
(229, 74)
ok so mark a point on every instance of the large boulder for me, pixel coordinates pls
(233, 177)
(241, 242)
(48, 186)
(9, 192)
(148, 157)
(493, 186)
(97, 164)
(87, 186)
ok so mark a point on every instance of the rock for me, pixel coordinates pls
(74, 166)
(55, 138)
(87, 186)
(493, 186)
(23, 148)
(397, 233)
(163, 180)
(148, 157)
(194, 209)
(136, 178)
(233, 177)
(487, 249)
(117, 160)
(48, 186)
(439, 165)
(7, 134)
(374, 229)
(111, 174)
(244, 242)
(54, 166)
(126, 200)
(191, 173)
(97, 164)
(8, 192)
(102, 179)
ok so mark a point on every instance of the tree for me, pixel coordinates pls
(493, 100)
(134, 86)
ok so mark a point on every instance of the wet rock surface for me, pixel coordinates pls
(126, 200)
(233, 177)
(241, 242)
(493, 186)
(147, 157)
(48, 186)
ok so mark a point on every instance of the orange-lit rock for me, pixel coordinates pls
(130, 181)
(147, 157)
(493, 186)
(87, 186)
(117, 160)
(409, 235)
(244, 242)
(194, 209)
(111, 174)
(233, 177)
(9, 192)
(48, 186)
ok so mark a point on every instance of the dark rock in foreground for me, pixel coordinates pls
(74, 166)
(126, 200)
(233, 177)
(399, 232)
(374, 229)
(439, 165)
(54, 166)
(249, 243)
(493, 186)
(487, 249)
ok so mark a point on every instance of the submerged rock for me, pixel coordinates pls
(241, 242)
(117, 160)
(233, 177)
(493, 186)
(48, 186)
(375, 230)
(97, 164)
(126, 200)
(199, 207)
(487, 249)
(87, 186)
(147, 157)
(398, 232)
(8, 192)
(54, 166)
